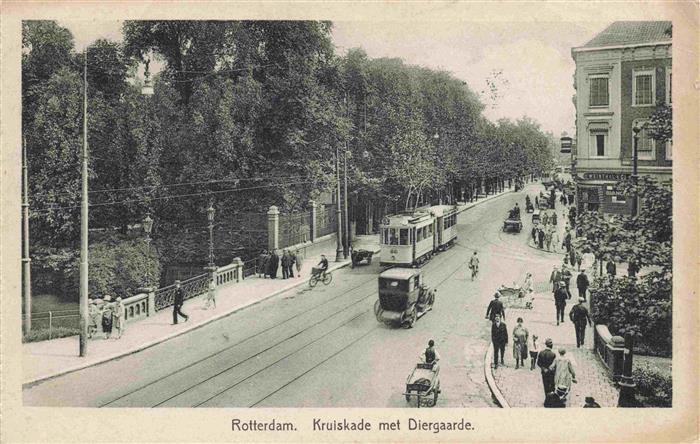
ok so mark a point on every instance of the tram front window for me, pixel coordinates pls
(403, 236)
(393, 238)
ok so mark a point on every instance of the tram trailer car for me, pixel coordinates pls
(446, 224)
(411, 239)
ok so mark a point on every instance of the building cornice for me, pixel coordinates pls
(607, 48)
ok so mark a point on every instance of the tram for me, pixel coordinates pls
(411, 239)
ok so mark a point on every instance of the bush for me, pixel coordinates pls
(641, 307)
(118, 267)
(43, 334)
(654, 387)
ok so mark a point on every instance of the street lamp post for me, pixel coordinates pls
(636, 129)
(346, 245)
(210, 217)
(26, 260)
(338, 212)
(147, 227)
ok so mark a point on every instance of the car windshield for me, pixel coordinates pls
(393, 284)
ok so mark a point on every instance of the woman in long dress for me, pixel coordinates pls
(520, 335)
(564, 374)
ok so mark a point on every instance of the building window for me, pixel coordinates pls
(599, 91)
(668, 86)
(669, 149)
(599, 143)
(645, 145)
(643, 88)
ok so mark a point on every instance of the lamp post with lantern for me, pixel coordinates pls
(211, 212)
(147, 227)
(635, 155)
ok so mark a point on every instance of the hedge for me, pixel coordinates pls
(36, 335)
(654, 387)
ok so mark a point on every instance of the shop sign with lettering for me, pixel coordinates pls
(605, 176)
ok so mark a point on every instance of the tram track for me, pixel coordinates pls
(221, 354)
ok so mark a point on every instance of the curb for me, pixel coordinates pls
(493, 196)
(139, 348)
(495, 391)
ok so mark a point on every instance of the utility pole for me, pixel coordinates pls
(84, 224)
(346, 246)
(26, 260)
(338, 212)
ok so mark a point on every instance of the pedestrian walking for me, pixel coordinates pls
(580, 317)
(582, 284)
(545, 218)
(520, 338)
(555, 240)
(297, 261)
(579, 260)
(285, 264)
(564, 374)
(94, 318)
(566, 277)
(178, 302)
(548, 240)
(554, 218)
(545, 361)
(534, 235)
(499, 338)
(107, 321)
(262, 264)
(495, 308)
(572, 254)
(567, 241)
(474, 264)
(560, 297)
(274, 264)
(554, 278)
(533, 348)
(537, 202)
(119, 317)
(591, 403)
(211, 295)
(540, 239)
(292, 262)
(610, 267)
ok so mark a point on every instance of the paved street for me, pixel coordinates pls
(323, 347)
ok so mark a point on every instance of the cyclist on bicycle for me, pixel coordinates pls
(474, 264)
(323, 265)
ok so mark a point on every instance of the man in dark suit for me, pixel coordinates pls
(610, 267)
(580, 317)
(582, 283)
(495, 308)
(560, 297)
(499, 338)
(178, 302)
(554, 278)
(274, 263)
(545, 359)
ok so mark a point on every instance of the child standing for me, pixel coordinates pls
(118, 315)
(534, 349)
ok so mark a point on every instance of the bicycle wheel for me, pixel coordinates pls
(313, 281)
(327, 278)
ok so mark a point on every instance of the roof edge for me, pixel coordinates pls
(634, 45)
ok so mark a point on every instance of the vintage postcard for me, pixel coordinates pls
(351, 222)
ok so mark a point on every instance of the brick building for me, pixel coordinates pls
(622, 75)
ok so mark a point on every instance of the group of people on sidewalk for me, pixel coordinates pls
(107, 314)
(270, 261)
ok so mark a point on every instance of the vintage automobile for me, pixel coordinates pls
(358, 256)
(536, 217)
(424, 384)
(403, 298)
(512, 225)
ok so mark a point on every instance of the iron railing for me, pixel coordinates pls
(326, 220)
(294, 229)
(55, 319)
(165, 297)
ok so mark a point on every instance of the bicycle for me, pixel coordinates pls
(317, 275)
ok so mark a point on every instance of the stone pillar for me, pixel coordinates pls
(313, 229)
(273, 224)
(239, 268)
(151, 302)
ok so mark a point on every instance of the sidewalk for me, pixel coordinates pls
(523, 387)
(48, 359)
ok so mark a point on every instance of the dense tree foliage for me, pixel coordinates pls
(248, 114)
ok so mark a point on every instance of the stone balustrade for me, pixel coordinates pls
(610, 349)
(229, 274)
(136, 307)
